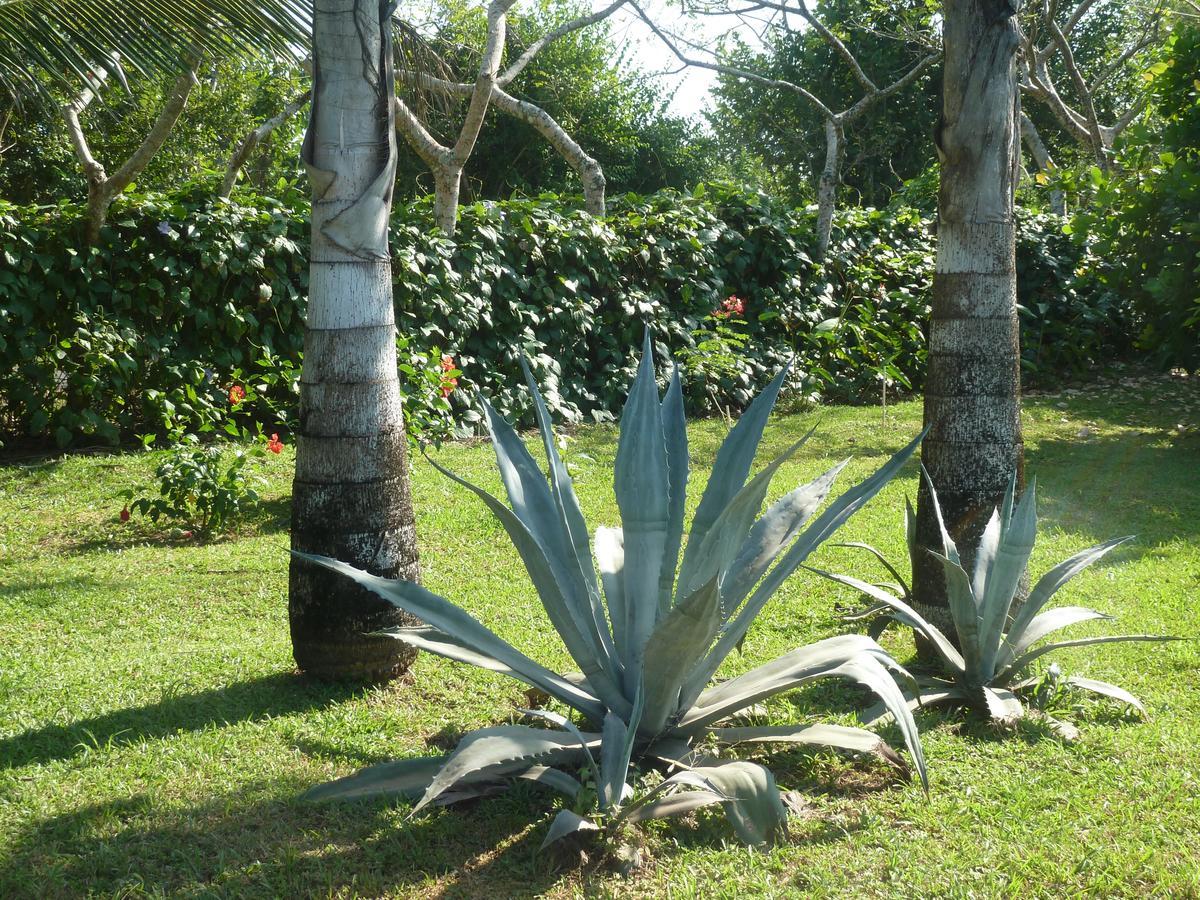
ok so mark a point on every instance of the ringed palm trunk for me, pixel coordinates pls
(350, 497)
(972, 390)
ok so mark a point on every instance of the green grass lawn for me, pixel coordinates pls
(154, 734)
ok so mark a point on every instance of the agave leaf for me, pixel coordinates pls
(728, 533)
(570, 515)
(1004, 576)
(965, 613)
(1022, 662)
(640, 479)
(401, 777)
(677, 645)
(566, 725)
(732, 466)
(825, 524)
(1042, 625)
(616, 748)
(927, 697)
(499, 750)
(674, 805)
(1106, 690)
(901, 584)
(1006, 506)
(1002, 705)
(910, 531)
(985, 554)
(609, 545)
(904, 613)
(841, 737)
(534, 505)
(1049, 583)
(776, 529)
(565, 824)
(674, 424)
(949, 549)
(464, 628)
(754, 806)
(555, 779)
(433, 640)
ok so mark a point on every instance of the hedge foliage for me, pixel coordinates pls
(185, 296)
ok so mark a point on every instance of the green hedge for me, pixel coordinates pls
(185, 296)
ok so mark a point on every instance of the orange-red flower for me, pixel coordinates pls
(125, 514)
(275, 445)
(237, 394)
(733, 305)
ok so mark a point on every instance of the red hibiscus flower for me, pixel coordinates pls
(275, 445)
(237, 394)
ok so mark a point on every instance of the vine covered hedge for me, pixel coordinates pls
(185, 297)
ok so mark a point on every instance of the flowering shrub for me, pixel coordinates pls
(204, 485)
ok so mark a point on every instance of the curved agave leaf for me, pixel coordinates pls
(609, 545)
(674, 805)
(401, 777)
(1004, 576)
(732, 465)
(566, 725)
(674, 424)
(927, 697)
(464, 628)
(570, 515)
(965, 613)
(433, 640)
(641, 482)
(1002, 705)
(902, 612)
(728, 534)
(985, 554)
(1042, 625)
(1049, 583)
(616, 749)
(1105, 689)
(1023, 661)
(901, 584)
(565, 824)
(555, 779)
(534, 504)
(773, 532)
(753, 805)
(949, 548)
(676, 646)
(840, 737)
(500, 750)
(825, 524)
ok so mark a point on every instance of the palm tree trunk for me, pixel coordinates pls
(972, 391)
(350, 497)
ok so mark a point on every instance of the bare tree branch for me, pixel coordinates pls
(549, 37)
(246, 145)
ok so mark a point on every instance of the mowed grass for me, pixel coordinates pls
(154, 735)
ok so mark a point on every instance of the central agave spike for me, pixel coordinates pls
(650, 631)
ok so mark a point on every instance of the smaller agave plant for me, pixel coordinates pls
(989, 664)
(648, 634)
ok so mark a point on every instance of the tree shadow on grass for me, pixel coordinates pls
(246, 701)
(261, 842)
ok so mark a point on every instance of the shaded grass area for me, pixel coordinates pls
(153, 734)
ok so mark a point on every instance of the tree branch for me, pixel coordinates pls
(537, 46)
(247, 144)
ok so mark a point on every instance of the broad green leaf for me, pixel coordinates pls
(462, 627)
(678, 643)
(500, 750)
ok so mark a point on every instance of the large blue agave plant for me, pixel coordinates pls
(649, 633)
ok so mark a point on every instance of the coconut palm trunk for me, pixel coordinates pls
(350, 497)
(972, 390)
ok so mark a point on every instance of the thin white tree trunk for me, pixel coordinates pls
(827, 186)
(447, 180)
(1041, 158)
(972, 390)
(246, 145)
(351, 495)
(102, 187)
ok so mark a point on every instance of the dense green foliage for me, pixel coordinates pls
(1145, 217)
(184, 297)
